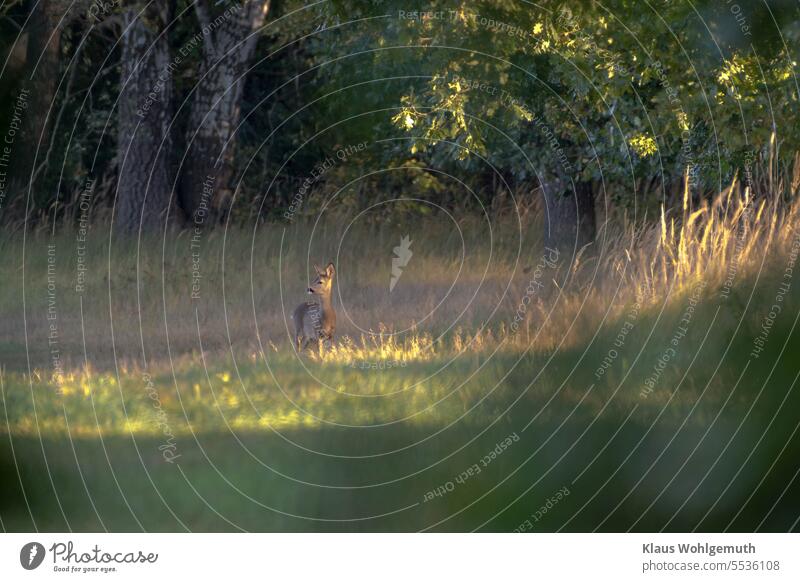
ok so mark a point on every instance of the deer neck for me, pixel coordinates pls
(328, 322)
(326, 303)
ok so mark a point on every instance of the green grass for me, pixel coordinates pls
(259, 438)
(249, 459)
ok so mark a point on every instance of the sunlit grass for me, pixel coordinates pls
(467, 374)
(378, 349)
(270, 419)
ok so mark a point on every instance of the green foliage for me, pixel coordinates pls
(622, 91)
(591, 91)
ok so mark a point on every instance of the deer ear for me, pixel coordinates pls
(330, 270)
(317, 269)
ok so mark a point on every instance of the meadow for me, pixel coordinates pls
(646, 383)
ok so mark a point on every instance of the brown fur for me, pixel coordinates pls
(316, 321)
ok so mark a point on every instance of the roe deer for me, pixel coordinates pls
(316, 321)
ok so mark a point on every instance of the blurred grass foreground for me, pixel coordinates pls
(647, 384)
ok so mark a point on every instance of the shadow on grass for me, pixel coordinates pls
(616, 479)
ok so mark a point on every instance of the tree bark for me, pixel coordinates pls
(570, 222)
(143, 118)
(228, 46)
(42, 65)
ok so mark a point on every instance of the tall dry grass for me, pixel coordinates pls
(728, 245)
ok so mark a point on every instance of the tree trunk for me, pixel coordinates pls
(569, 220)
(228, 45)
(143, 145)
(42, 63)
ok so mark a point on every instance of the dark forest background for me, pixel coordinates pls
(147, 105)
